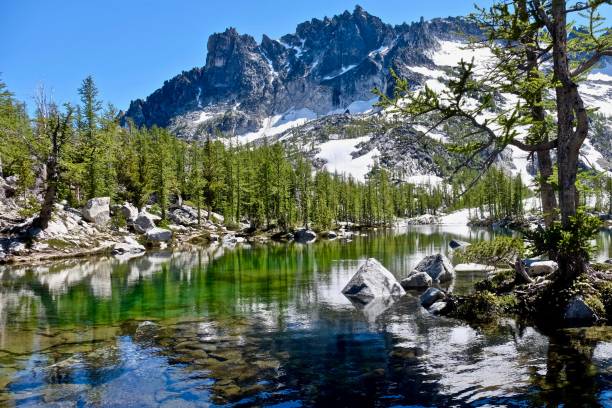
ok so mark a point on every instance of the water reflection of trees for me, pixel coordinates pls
(279, 289)
(572, 379)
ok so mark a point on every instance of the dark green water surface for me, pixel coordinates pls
(268, 326)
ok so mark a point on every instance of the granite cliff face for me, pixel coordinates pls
(323, 67)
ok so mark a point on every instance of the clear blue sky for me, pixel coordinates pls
(132, 46)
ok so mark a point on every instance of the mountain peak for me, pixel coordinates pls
(325, 65)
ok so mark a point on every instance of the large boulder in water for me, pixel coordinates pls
(372, 280)
(431, 296)
(417, 280)
(305, 236)
(438, 267)
(97, 210)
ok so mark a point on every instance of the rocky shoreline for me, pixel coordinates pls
(123, 231)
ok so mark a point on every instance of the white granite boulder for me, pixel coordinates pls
(97, 210)
(158, 235)
(372, 280)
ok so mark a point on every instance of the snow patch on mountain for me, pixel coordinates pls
(427, 72)
(434, 134)
(591, 156)
(357, 107)
(450, 53)
(342, 71)
(424, 179)
(205, 116)
(597, 92)
(277, 124)
(338, 157)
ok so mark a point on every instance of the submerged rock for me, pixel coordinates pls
(97, 210)
(331, 235)
(305, 236)
(372, 280)
(375, 307)
(438, 267)
(431, 296)
(417, 280)
(578, 312)
(146, 331)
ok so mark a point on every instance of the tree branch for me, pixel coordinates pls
(595, 58)
(552, 144)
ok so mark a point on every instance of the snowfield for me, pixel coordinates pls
(337, 155)
(274, 125)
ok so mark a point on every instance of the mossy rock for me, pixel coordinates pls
(483, 306)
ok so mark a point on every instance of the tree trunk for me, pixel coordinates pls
(547, 192)
(46, 211)
(572, 128)
(545, 166)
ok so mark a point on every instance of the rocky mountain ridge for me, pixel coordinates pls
(323, 67)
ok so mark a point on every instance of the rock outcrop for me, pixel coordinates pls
(128, 211)
(431, 296)
(541, 268)
(458, 244)
(129, 246)
(578, 312)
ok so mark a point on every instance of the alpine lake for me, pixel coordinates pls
(267, 325)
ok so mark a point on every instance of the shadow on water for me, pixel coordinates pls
(268, 325)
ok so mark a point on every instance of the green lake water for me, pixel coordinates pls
(268, 326)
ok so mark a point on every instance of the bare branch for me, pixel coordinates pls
(534, 148)
(587, 64)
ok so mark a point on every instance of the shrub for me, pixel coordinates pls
(498, 252)
(30, 208)
(572, 241)
(118, 220)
